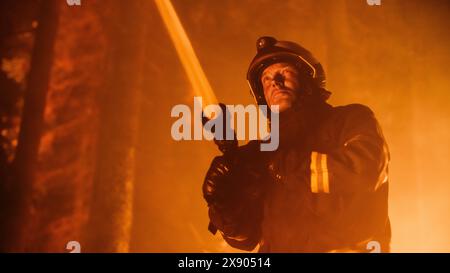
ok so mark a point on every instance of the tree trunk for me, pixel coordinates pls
(24, 166)
(110, 220)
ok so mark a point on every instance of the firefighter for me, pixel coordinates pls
(325, 189)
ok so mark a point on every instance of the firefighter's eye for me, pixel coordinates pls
(266, 79)
(289, 71)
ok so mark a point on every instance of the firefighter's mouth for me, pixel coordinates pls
(281, 92)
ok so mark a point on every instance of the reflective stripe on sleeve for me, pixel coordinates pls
(319, 173)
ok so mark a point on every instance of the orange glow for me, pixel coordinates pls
(393, 58)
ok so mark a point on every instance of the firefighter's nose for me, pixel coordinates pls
(278, 80)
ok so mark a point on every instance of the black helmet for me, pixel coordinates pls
(270, 51)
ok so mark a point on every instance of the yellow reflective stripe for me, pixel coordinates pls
(324, 168)
(319, 173)
(314, 183)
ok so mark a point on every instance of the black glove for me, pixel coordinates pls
(236, 176)
(233, 188)
(217, 185)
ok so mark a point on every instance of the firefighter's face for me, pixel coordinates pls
(281, 85)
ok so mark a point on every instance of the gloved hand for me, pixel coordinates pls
(218, 183)
(236, 175)
(233, 188)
